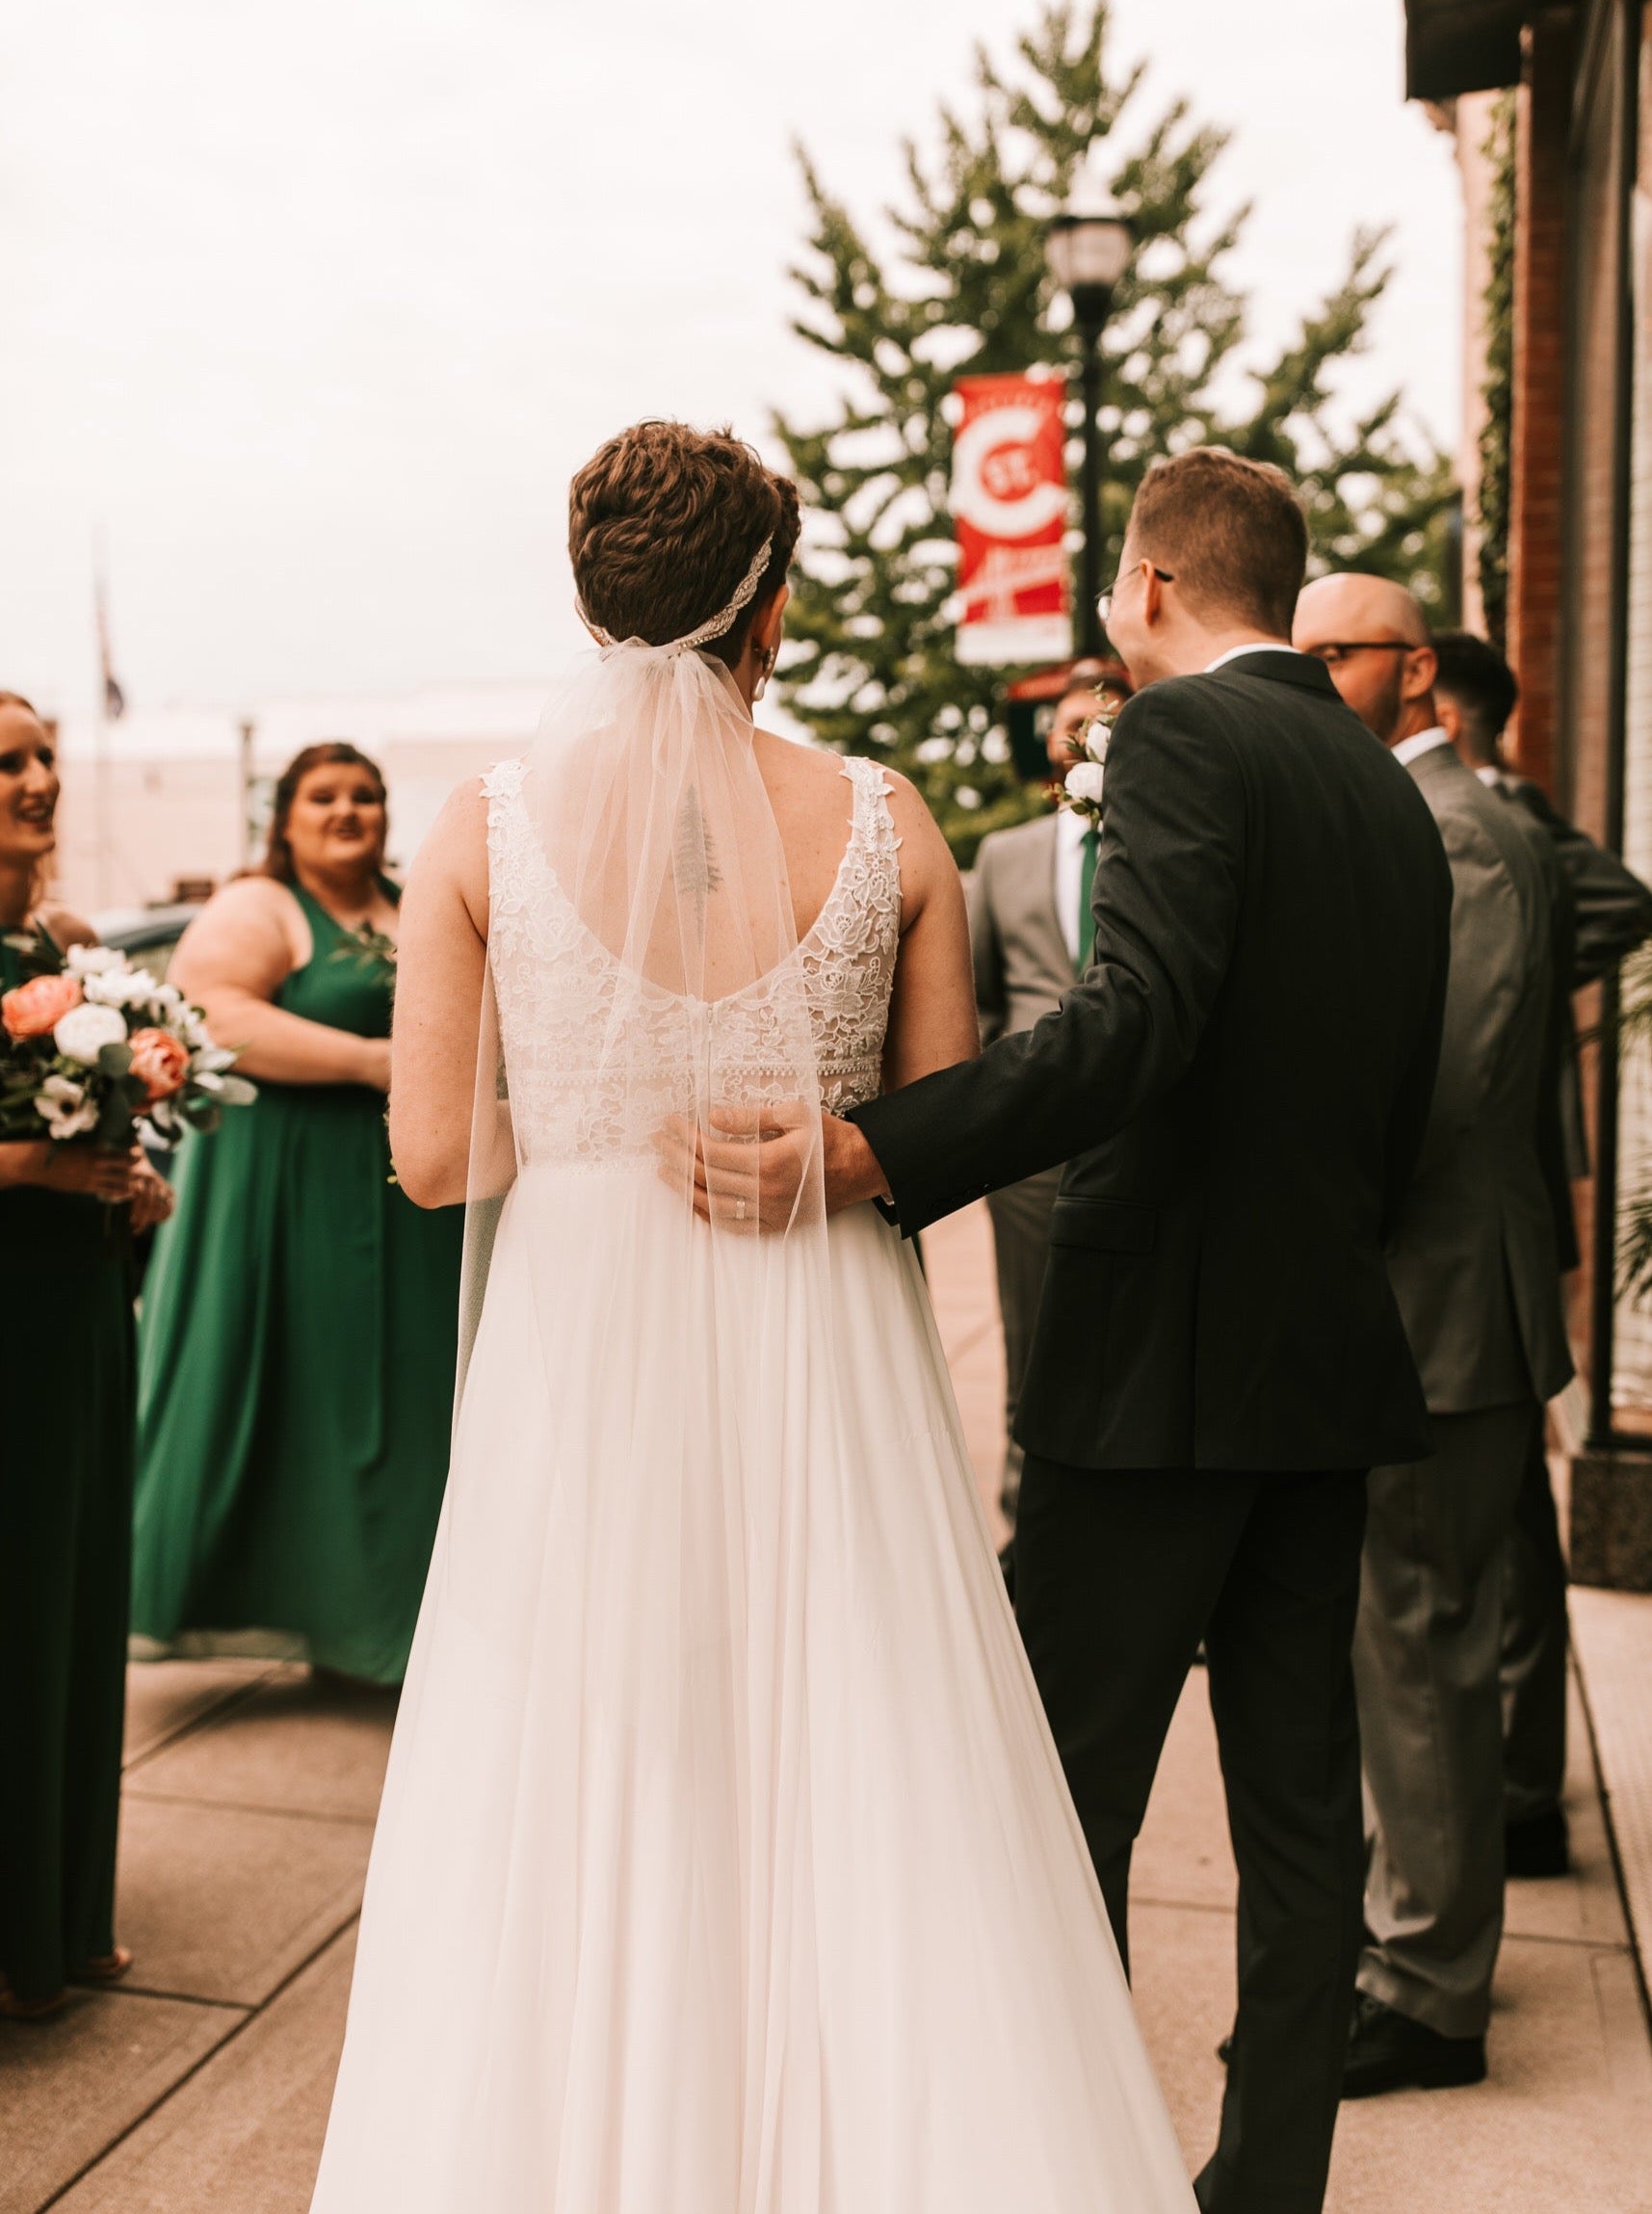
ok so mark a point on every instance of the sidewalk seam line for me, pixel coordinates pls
(204, 1720)
(1611, 1845)
(189, 2075)
(250, 1807)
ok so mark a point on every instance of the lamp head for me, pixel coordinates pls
(1090, 243)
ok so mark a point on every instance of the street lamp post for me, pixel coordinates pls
(1089, 245)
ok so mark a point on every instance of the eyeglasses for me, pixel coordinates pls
(1104, 605)
(1336, 651)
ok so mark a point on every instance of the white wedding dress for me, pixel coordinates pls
(725, 1865)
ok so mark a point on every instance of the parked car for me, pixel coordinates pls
(147, 935)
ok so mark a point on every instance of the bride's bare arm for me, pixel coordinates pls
(932, 1016)
(440, 968)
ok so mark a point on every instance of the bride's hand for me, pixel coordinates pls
(747, 1171)
(751, 1169)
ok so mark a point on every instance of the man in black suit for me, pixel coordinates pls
(1240, 1084)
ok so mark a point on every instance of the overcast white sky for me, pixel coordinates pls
(314, 308)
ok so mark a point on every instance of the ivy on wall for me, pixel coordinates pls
(1496, 436)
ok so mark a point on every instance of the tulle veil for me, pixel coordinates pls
(661, 852)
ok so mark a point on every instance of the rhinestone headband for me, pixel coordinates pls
(719, 623)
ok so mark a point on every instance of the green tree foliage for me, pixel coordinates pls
(964, 290)
(1496, 434)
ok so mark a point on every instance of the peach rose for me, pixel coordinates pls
(159, 1061)
(39, 1005)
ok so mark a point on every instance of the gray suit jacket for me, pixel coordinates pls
(1473, 1259)
(1022, 966)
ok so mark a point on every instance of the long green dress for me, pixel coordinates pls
(297, 1352)
(65, 1518)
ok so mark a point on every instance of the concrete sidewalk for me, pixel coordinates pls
(203, 2083)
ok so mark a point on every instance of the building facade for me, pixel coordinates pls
(1580, 586)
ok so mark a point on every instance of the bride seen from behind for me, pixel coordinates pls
(720, 1801)
(931, 1017)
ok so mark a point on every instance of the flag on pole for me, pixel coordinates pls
(113, 699)
(1010, 513)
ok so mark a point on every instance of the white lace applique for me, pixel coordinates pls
(565, 1000)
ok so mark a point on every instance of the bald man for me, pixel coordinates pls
(1474, 1266)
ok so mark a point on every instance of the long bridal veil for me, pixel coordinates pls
(623, 1563)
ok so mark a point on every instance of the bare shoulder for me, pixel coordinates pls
(251, 903)
(250, 907)
(250, 934)
(458, 838)
(802, 765)
(454, 857)
(914, 824)
(66, 928)
(927, 871)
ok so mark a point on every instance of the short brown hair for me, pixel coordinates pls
(663, 521)
(277, 861)
(1231, 532)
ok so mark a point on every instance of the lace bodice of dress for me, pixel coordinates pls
(590, 1048)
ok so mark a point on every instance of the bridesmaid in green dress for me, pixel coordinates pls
(67, 1214)
(301, 1314)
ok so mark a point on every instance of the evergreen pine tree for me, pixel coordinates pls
(871, 666)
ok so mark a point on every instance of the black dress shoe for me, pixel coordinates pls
(1388, 2051)
(1537, 1846)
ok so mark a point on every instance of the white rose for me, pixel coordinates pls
(1084, 781)
(85, 1030)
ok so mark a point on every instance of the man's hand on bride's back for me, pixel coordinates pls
(767, 1168)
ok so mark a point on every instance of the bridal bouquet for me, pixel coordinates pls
(1081, 788)
(102, 1051)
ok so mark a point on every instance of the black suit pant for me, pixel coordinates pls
(1118, 1575)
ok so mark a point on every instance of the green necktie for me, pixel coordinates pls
(1086, 885)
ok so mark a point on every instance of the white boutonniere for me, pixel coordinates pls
(1084, 781)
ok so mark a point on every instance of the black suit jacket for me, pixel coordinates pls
(1240, 1086)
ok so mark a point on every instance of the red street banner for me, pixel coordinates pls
(1009, 512)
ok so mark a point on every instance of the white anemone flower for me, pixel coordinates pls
(63, 1107)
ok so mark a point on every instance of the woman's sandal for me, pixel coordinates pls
(108, 1970)
(13, 2009)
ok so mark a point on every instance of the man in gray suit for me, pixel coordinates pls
(1603, 913)
(1473, 1263)
(1029, 918)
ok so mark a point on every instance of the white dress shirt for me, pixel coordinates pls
(1070, 828)
(1256, 646)
(1411, 750)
